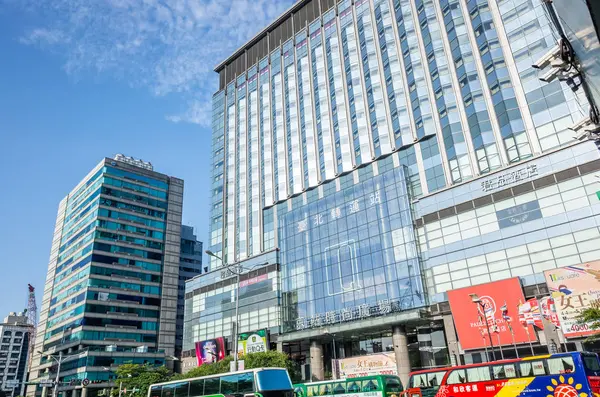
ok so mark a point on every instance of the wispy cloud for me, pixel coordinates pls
(169, 46)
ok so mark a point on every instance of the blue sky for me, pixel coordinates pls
(81, 80)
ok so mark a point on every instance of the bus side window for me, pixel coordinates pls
(456, 377)
(339, 387)
(419, 380)
(498, 372)
(369, 385)
(434, 379)
(478, 374)
(212, 386)
(155, 391)
(181, 389)
(312, 391)
(532, 368)
(246, 383)
(353, 387)
(197, 388)
(324, 390)
(560, 365)
(168, 391)
(229, 385)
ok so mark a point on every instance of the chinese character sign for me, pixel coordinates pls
(373, 364)
(337, 253)
(574, 289)
(512, 177)
(470, 318)
(253, 342)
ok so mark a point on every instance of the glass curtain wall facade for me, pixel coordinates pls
(448, 85)
(111, 291)
(409, 99)
(190, 265)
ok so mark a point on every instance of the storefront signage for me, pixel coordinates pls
(574, 289)
(470, 319)
(348, 208)
(382, 308)
(373, 364)
(210, 351)
(518, 214)
(253, 342)
(500, 181)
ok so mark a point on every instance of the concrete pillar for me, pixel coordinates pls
(401, 350)
(44, 392)
(84, 392)
(75, 393)
(452, 340)
(317, 369)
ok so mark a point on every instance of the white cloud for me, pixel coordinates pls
(169, 46)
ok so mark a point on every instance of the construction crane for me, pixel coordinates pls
(31, 312)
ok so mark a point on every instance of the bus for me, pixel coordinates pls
(257, 382)
(366, 386)
(575, 374)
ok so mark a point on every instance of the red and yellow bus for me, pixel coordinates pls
(575, 374)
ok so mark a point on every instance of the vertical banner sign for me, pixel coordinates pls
(253, 342)
(574, 289)
(210, 351)
(471, 324)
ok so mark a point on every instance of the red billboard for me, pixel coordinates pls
(470, 318)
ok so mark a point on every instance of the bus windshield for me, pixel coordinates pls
(591, 364)
(273, 379)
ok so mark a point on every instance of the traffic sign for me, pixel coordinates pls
(11, 384)
(46, 383)
(85, 382)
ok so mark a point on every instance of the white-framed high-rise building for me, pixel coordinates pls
(393, 150)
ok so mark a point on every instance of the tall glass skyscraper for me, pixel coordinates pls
(384, 149)
(445, 87)
(111, 294)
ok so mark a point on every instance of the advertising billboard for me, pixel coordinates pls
(574, 288)
(470, 319)
(373, 364)
(210, 351)
(253, 342)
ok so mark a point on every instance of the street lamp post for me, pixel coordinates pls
(481, 310)
(237, 273)
(59, 361)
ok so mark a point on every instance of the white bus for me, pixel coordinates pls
(258, 382)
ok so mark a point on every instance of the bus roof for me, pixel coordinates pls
(215, 375)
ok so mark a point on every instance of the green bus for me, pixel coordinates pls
(257, 382)
(366, 386)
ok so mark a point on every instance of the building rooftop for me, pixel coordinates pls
(290, 22)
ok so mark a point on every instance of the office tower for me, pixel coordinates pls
(385, 152)
(190, 265)
(15, 333)
(111, 291)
